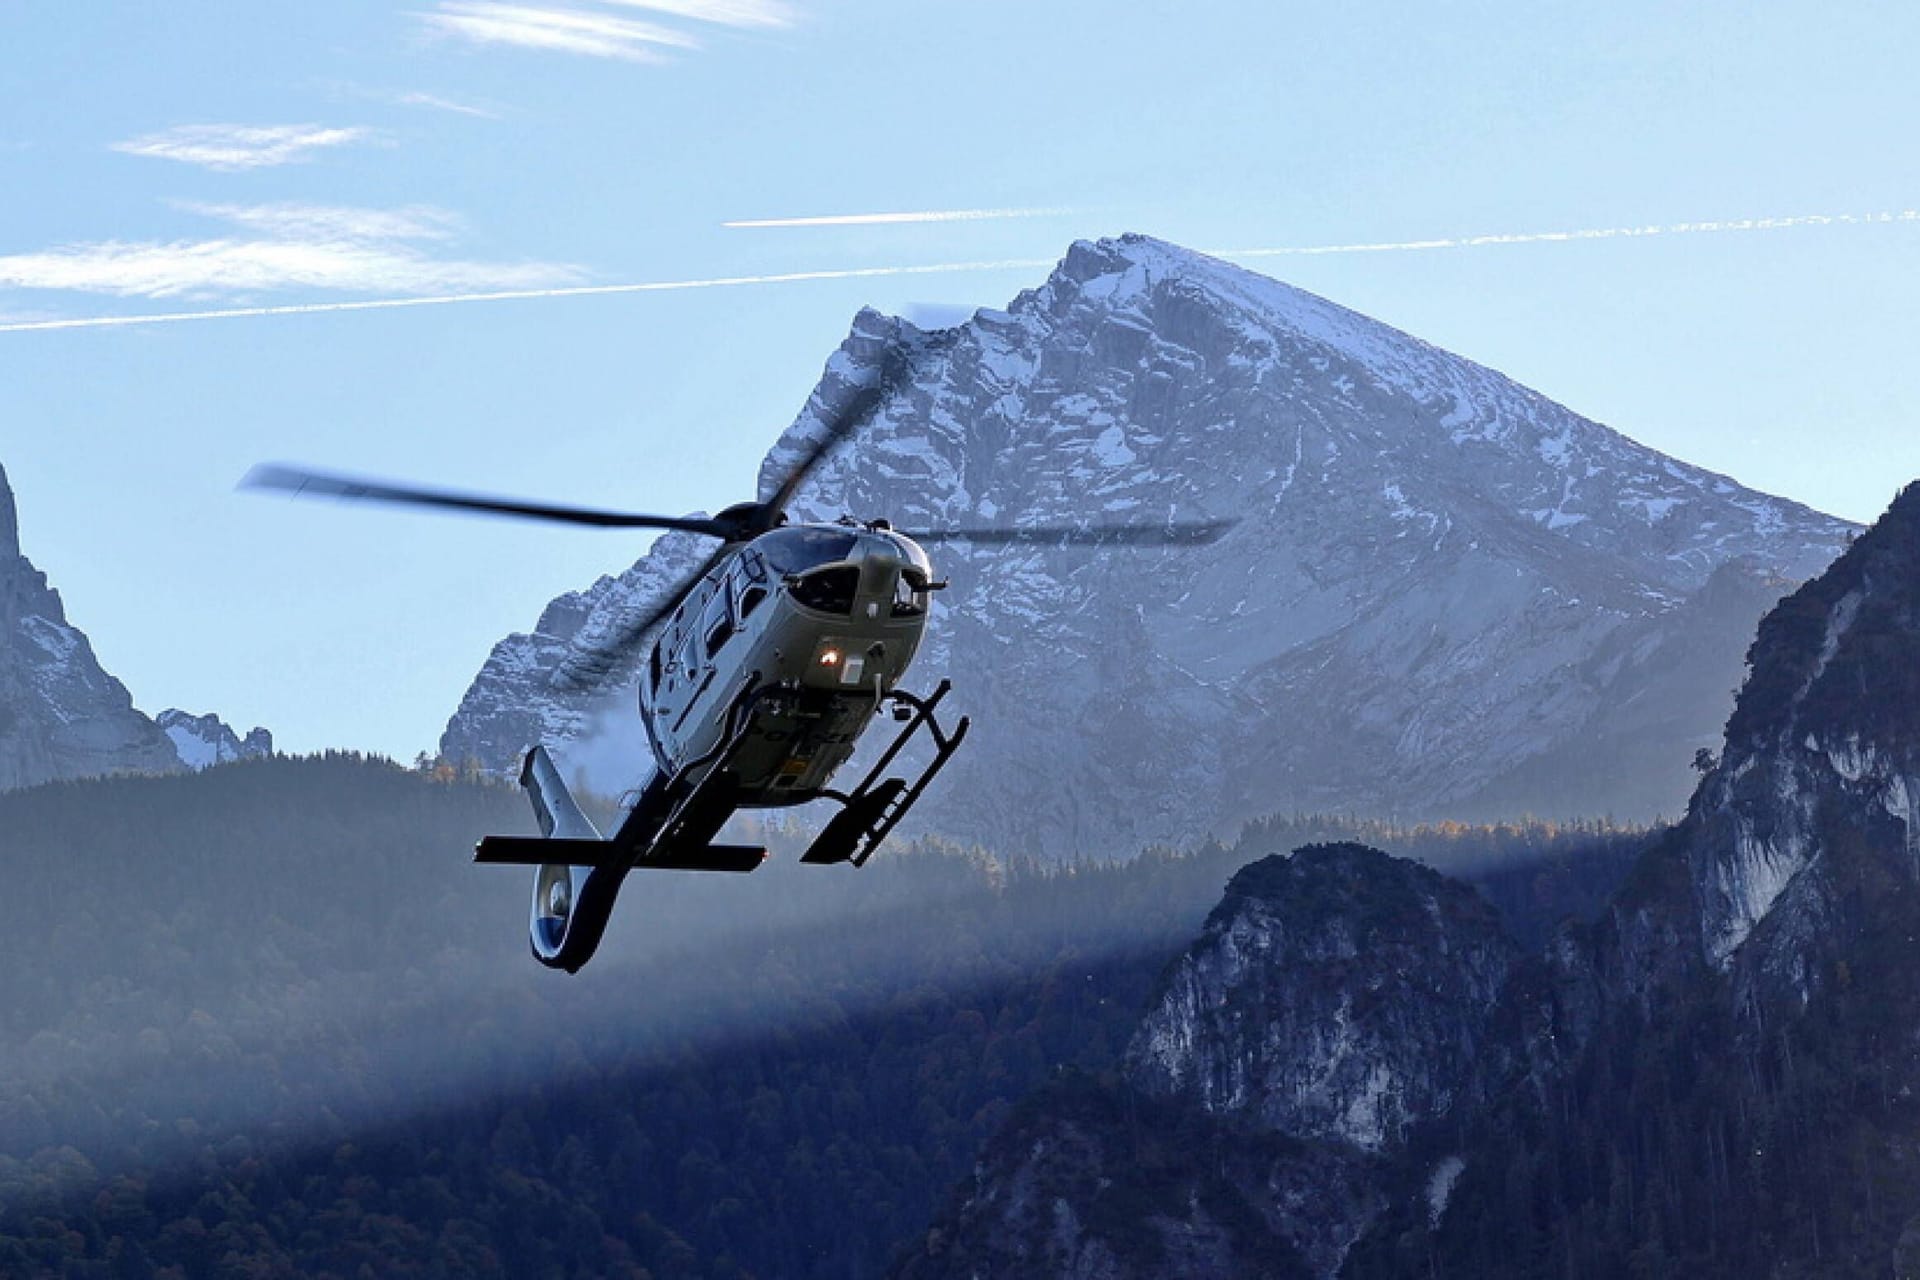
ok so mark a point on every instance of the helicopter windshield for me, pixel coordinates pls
(798, 548)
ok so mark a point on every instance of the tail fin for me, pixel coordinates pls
(571, 902)
(554, 807)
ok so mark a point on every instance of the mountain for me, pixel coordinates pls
(61, 715)
(1725, 1072)
(1445, 594)
(1337, 993)
(204, 741)
(1350, 1073)
(1337, 1002)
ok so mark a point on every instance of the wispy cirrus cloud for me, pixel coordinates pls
(434, 102)
(334, 222)
(416, 98)
(242, 146)
(1640, 232)
(579, 31)
(278, 247)
(726, 13)
(883, 219)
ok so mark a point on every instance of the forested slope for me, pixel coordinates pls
(266, 1020)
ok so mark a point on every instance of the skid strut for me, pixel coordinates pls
(875, 807)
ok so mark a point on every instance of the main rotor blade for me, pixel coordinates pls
(322, 484)
(854, 415)
(592, 666)
(1190, 534)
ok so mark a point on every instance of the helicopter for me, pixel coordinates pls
(769, 662)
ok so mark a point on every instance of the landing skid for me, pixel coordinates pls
(875, 807)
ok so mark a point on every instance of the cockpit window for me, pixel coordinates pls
(799, 548)
(718, 624)
(829, 590)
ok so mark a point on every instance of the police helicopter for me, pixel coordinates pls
(768, 663)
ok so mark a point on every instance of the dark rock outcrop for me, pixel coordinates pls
(1337, 994)
(1306, 1057)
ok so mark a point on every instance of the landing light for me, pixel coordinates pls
(829, 656)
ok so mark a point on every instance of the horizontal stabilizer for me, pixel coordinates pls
(713, 857)
(533, 851)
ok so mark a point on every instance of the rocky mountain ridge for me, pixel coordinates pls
(1338, 1004)
(1718, 1077)
(1441, 597)
(61, 714)
(206, 740)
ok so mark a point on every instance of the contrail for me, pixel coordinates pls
(1589, 233)
(960, 268)
(883, 219)
(510, 295)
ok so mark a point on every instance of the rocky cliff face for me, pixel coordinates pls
(61, 715)
(1442, 595)
(1720, 1077)
(1335, 1016)
(1724, 1071)
(1336, 994)
(1822, 755)
(1099, 1183)
(204, 741)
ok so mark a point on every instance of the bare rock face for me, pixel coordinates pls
(1718, 1077)
(1755, 978)
(1337, 994)
(61, 715)
(1441, 597)
(204, 741)
(1818, 789)
(1302, 1069)
(1098, 1184)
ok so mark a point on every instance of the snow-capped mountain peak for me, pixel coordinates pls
(1428, 563)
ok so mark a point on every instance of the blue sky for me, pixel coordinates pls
(226, 156)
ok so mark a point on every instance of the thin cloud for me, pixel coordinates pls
(334, 223)
(435, 102)
(232, 147)
(1586, 233)
(557, 30)
(418, 98)
(883, 219)
(284, 246)
(944, 268)
(726, 13)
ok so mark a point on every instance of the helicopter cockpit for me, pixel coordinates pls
(794, 549)
(824, 566)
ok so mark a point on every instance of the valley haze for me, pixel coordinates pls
(1163, 986)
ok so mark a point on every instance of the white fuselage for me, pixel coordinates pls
(785, 649)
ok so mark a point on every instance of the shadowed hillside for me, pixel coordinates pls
(266, 1019)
